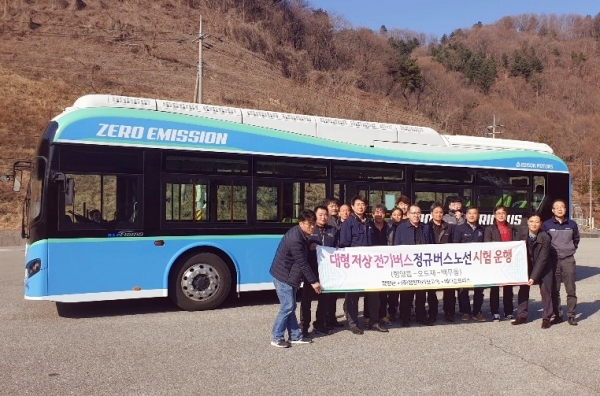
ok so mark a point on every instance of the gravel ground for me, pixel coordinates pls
(148, 347)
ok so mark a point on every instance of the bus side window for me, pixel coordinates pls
(488, 199)
(232, 202)
(102, 200)
(186, 201)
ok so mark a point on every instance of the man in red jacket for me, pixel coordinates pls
(501, 231)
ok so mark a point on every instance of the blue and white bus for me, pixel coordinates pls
(136, 198)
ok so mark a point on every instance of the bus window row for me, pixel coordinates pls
(111, 200)
(190, 163)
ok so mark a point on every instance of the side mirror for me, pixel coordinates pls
(69, 191)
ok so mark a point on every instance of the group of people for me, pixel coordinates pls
(551, 246)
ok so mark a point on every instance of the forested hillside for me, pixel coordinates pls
(538, 74)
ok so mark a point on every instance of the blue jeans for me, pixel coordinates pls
(286, 317)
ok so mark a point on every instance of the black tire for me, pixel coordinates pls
(200, 282)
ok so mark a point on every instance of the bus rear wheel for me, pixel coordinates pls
(200, 282)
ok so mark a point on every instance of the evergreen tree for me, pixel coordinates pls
(526, 63)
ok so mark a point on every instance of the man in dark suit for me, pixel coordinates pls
(356, 231)
(441, 232)
(323, 235)
(539, 269)
(470, 231)
(412, 232)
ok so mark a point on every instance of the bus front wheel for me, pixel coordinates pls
(200, 282)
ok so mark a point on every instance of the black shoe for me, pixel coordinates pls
(305, 333)
(557, 320)
(429, 322)
(422, 321)
(377, 327)
(393, 318)
(406, 323)
(545, 324)
(280, 344)
(335, 324)
(572, 321)
(322, 330)
(449, 317)
(356, 330)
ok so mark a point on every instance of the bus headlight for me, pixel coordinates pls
(33, 267)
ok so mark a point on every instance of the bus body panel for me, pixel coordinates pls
(90, 269)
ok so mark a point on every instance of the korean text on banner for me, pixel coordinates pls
(419, 267)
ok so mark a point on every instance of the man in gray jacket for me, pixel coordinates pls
(565, 239)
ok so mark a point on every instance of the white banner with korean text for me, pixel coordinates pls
(419, 267)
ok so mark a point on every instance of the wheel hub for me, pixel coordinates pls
(200, 282)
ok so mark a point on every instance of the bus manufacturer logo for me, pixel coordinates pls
(532, 165)
(120, 234)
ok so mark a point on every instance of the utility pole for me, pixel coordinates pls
(591, 218)
(493, 127)
(198, 88)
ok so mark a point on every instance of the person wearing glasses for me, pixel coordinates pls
(412, 232)
(289, 267)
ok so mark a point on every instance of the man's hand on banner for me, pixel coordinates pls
(317, 287)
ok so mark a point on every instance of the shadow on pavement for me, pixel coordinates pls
(585, 309)
(154, 305)
(114, 308)
(583, 272)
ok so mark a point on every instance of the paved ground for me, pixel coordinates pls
(148, 347)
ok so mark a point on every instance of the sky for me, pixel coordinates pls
(440, 17)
